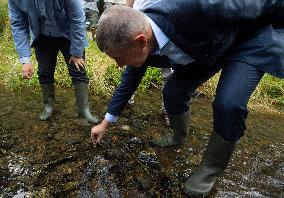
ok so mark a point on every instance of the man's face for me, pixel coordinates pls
(135, 54)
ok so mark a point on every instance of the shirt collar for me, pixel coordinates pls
(161, 38)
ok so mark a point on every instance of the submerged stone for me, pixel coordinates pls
(149, 159)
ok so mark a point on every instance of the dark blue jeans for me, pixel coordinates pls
(236, 84)
(46, 50)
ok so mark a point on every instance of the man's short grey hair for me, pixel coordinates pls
(118, 25)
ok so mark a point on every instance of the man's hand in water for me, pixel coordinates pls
(98, 131)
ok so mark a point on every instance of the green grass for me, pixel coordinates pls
(268, 96)
(3, 15)
(102, 71)
(105, 76)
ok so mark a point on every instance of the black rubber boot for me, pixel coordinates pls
(81, 92)
(180, 127)
(214, 162)
(48, 95)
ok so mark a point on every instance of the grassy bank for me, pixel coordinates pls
(102, 71)
(3, 14)
(269, 95)
(104, 76)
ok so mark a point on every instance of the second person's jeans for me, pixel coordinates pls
(46, 50)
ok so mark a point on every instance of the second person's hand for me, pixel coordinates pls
(79, 62)
(27, 70)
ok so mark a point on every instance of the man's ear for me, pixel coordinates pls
(141, 39)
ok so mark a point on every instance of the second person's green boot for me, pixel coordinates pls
(48, 94)
(82, 101)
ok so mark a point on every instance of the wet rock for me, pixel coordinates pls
(125, 127)
(82, 122)
(135, 142)
(85, 193)
(73, 142)
(44, 192)
(149, 158)
(100, 193)
(114, 191)
(98, 171)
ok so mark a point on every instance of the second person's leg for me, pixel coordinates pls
(46, 54)
(80, 82)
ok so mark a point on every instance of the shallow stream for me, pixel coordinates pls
(56, 158)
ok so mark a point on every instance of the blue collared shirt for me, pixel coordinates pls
(26, 24)
(48, 25)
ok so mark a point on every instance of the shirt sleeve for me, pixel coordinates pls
(111, 118)
(25, 59)
(77, 27)
(20, 29)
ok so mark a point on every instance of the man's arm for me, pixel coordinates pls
(77, 18)
(21, 34)
(20, 29)
(131, 79)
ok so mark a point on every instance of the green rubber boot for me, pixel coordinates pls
(214, 162)
(81, 92)
(48, 95)
(180, 127)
